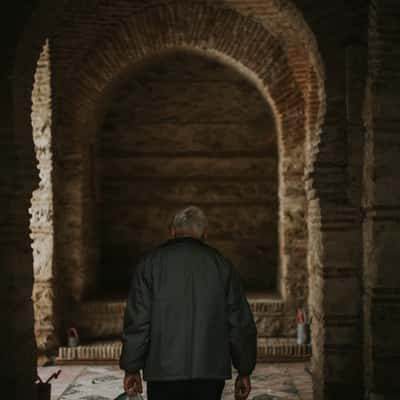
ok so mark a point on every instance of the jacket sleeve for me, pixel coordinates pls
(136, 330)
(242, 328)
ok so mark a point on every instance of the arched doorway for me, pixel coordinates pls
(267, 66)
(289, 95)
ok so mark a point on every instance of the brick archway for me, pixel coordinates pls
(281, 18)
(273, 47)
(236, 40)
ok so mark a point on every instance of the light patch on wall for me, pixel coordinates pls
(41, 223)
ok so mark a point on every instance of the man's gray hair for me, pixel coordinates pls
(190, 221)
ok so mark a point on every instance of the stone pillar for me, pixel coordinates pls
(382, 205)
(18, 354)
(8, 168)
(335, 300)
(335, 250)
(41, 224)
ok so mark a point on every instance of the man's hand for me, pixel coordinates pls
(242, 387)
(133, 384)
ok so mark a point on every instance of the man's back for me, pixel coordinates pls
(186, 319)
(187, 316)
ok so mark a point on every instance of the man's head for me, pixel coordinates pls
(191, 221)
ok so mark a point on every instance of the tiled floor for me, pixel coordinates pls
(269, 382)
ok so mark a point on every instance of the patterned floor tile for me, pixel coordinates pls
(269, 382)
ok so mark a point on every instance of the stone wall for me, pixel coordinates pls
(17, 355)
(382, 204)
(333, 156)
(187, 130)
(8, 294)
(334, 214)
(334, 211)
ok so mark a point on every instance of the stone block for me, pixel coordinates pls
(342, 296)
(381, 233)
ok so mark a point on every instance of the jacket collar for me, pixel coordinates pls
(183, 239)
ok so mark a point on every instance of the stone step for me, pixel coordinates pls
(103, 319)
(269, 350)
(281, 350)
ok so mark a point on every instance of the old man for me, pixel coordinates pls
(187, 319)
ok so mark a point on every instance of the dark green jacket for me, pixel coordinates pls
(187, 316)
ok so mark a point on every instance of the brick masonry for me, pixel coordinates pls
(164, 145)
(84, 113)
(74, 245)
(324, 110)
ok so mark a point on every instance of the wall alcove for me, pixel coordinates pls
(185, 129)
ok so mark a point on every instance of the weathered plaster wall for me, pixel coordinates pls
(42, 210)
(187, 130)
